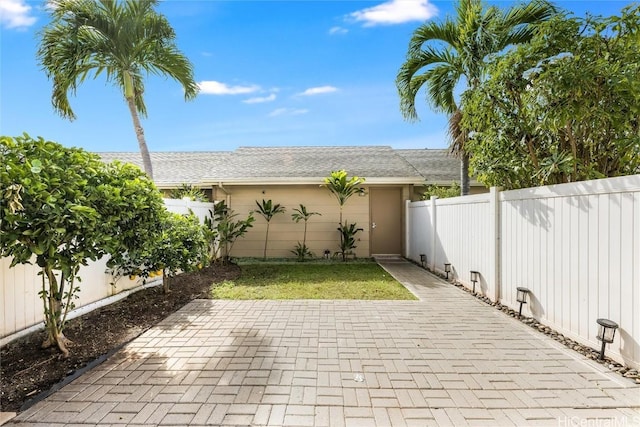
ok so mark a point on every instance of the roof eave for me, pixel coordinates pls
(309, 181)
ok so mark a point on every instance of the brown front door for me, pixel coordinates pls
(386, 221)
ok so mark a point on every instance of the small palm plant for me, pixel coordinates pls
(301, 214)
(348, 239)
(343, 188)
(223, 230)
(268, 210)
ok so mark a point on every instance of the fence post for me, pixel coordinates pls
(495, 273)
(434, 232)
(407, 229)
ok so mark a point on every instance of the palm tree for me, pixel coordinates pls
(440, 54)
(125, 40)
(267, 209)
(343, 188)
(302, 214)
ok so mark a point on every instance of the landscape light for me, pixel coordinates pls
(447, 269)
(606, 333)
(521, 297)
(475, 276)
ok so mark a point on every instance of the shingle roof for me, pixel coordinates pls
(290, 163)
(311, 162)
(436, 166)
(176, 167)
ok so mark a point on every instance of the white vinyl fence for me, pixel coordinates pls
(576, 247)
(21, 310)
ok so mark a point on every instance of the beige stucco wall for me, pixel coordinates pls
(284, 233)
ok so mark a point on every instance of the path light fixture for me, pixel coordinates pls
(606, 333)
(521, 297)
(447, 269)
(423, 259)
(475, 276)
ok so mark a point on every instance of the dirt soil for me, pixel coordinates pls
(27, 370)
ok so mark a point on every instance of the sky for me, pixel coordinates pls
(271, 73)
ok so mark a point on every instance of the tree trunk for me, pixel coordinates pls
(165, 283)
(464, 174)
(304, 237)
(52, 313)
(142, 143)
(266, 239)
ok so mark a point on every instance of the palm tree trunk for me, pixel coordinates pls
(464, 174)
(266, 239)
(142, 143)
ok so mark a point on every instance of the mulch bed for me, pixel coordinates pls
(27, 370)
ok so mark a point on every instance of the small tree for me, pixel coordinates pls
(343, 188)
(181, 247)
(267, 209)
(301, 214)
(223, 230)
(64, 207)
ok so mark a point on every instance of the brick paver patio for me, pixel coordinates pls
(448, 359)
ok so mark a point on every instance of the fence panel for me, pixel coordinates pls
(456, 231)
(420, 230)
(576, 247)
(463, 238)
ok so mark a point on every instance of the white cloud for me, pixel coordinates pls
(288, 112)
(396, 12)
(260, 99)
(15, 14)
(211, 87)
(338, 30)
(318, 90)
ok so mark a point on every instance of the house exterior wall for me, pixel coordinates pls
(284, 233)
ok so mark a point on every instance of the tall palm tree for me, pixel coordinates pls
(440, 54)
(125, 40)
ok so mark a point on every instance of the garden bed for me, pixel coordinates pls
(27, 371)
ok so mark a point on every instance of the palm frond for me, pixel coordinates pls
(442, 82)
(445, 32)
(409, 79)
(112, 38)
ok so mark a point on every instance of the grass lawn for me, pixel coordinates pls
(367, 281)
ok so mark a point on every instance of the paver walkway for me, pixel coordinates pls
(448, 359)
